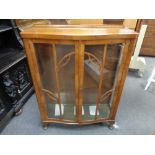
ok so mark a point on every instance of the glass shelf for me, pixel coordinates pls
(69, 111)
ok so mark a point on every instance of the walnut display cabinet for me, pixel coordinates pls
(78, 71)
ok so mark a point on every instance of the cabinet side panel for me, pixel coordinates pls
(126, 57)
(32, 61)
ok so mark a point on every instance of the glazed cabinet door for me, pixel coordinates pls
(101, 64)
(77, 82)
(57, 69)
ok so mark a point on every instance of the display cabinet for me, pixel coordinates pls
(78, 71)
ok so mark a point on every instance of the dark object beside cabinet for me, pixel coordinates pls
(15, 80)
(148, 45)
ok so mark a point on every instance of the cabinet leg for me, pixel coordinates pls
(17, 113)
(45, 126)
(112, 126)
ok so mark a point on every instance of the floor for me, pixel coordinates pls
(136, 113)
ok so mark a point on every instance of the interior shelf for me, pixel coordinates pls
(11, 55)
(69, 111)
(4, 28)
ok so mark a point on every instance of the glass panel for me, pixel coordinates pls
(97, 89)
(57, 70)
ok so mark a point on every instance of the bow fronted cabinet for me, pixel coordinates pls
(78, 71)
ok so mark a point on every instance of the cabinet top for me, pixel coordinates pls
(78, 32)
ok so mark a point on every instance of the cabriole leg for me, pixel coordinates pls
(113, 125)
(45, 126)
(19, 112)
